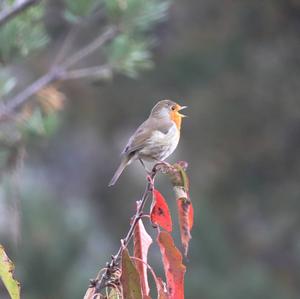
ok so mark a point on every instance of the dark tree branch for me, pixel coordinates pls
(15, 10)
(61, 72)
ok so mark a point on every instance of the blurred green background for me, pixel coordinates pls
(236, 65)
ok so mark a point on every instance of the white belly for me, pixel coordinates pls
(160, 145)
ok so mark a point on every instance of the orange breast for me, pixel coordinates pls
(176, 118)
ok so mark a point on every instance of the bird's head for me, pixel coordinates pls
(169, 110)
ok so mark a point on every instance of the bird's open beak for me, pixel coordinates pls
(181, 108)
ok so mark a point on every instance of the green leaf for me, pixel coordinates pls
(81, 7)
(130, 278)
(7, 83)
(23, 34)
(6, 275)
(184, 177)
(137, 15)
(51, 123)
(35, 124)
(129, 56)
(71, 18)
(114, 294)
(129, 53)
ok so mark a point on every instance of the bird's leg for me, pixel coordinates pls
(149, 172)
(146, 169)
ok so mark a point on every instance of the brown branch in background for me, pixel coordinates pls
(100, 71)
(103, 279)
(62, 72)
(91, 47)
(15, 10)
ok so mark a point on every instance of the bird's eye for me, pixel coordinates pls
(173, 107)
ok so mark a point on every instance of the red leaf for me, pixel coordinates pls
(181, 187)
(142, 241)
(174, 269)
(185, 216)
(191, 216)
(130, 278)
(160, 213)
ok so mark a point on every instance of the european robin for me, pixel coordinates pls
(155, 139)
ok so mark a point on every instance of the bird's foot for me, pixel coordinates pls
(163, 166)
(165, 163)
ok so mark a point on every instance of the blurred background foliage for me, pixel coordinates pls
(236, 64)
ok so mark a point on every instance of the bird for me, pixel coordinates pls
(155, 139)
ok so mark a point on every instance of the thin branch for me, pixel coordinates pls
(90, 48)
(100, 71)
(70, 36)
(101, 281)
(58, 72)
(15, 10)
(66, 45)
(30, 90)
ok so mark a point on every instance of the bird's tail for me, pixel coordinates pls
(125, 161)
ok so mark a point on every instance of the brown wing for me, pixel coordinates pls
(144, 132)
